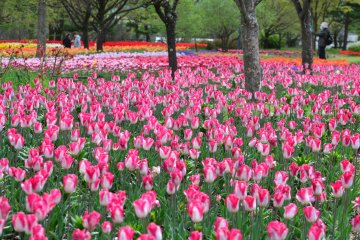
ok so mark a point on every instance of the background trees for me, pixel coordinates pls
(224, 19)
(79, 11)
(269, 23)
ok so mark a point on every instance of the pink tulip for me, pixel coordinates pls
(277, 230)
(90, 220)
(355, 223)
(290, 211)
(263, 197)
(234, 234)
(155, 231)
(311, 214)
(116, 212)
(347, 179)
(232, 203)
(196, 211)
(249, 203)
(4, 208)
(305, 196)
(106, 227)
(81, 235)
(195, 235)
(125, 233)
(69, 183)
(240, 189)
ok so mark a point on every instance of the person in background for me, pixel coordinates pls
(323, 35)
(77, 41)
(67, 41)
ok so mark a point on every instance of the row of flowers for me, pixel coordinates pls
(269, 52)
(124, 62)
(29, 49)
(347, 52)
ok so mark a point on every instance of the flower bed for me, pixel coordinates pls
(27, 48)
(269, 52)
(140, 156)
(352, 53)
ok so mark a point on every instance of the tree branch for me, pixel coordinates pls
(257, 2)
(158, 10)
(298, 8)
(242, 7)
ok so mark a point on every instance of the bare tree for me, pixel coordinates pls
(304, 13)
(41, 29)
(107, 13)
(79, 12)
(167, 14)
(250, 42)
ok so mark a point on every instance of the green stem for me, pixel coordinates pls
(304, 228)
(334, 222)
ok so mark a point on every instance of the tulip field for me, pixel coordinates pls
(113, 148)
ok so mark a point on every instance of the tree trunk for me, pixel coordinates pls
(41, 29)
(196, 47)
(239, 39)
(85, 37)
(266, 40)
(335, 40)
(224, 43)
(171, 44)
(280, 40)
(315, 30)
(346, 31)
(306, 42)
(251, 56)
(100, 40)
(147, 35)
